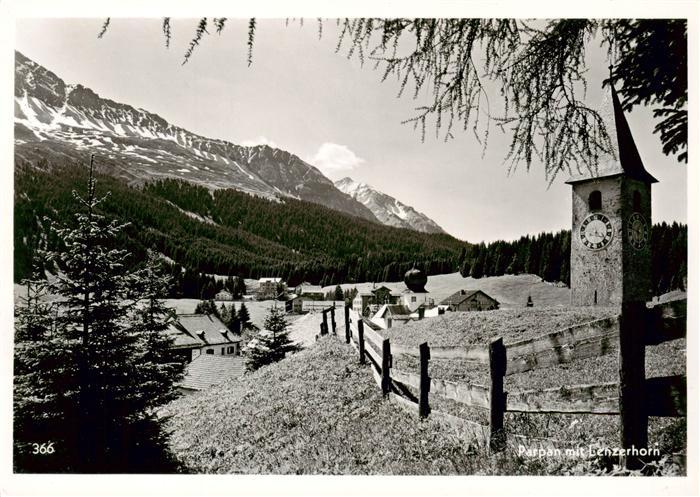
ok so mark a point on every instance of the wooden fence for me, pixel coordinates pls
(324, 323)
(634, 398)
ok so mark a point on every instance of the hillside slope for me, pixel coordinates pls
(228, 232)
(316, 412)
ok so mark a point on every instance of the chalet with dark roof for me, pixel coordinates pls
(202, 334)
(470, 300)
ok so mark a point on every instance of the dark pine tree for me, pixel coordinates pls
(244, 317)
(272, 343)
(90, 390)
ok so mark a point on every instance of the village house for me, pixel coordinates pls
(270, 288)
(390, 315)
(300, 305)
(223, 295)
(470, 300)
(202, 334)
(413, 303)
(415, 296)
(308, 291)
(367, 303)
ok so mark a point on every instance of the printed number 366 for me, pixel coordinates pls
(43, 449)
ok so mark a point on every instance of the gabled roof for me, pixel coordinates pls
(371, 325)
(198, 330)
(270, 280)
(625, 158)
(209, 370)
(385, 288)
(395, 311)
(462, 295)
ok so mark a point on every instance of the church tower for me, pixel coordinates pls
(611, 222)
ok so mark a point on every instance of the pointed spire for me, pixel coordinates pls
(628, 154)
(625, 158)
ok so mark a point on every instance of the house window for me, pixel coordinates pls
(595, 201)
(210, 351)
(413, 299)
(223, 350)
(229, 350)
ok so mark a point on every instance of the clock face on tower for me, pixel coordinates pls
(637, 231)
(596, 231)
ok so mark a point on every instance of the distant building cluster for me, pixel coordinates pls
(387, 308)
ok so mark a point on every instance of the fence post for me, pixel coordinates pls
(497, 402)
(633, 416)
(386, 366)
(333, 318)
(361, 339)
(347, 324)
(423, 405)
(325, 323)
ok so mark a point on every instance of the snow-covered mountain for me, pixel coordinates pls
(56, 122)
(386, 208)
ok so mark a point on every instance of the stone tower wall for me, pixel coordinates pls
(636, 263)
(596, 275)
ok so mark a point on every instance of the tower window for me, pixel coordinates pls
(595, 200)
(637, 201)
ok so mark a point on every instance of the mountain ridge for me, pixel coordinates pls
(386, 208)
(55, 121)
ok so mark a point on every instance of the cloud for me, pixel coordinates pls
(333, 158)
(260, 140)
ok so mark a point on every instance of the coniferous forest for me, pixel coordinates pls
(548, 256)
(226, 232)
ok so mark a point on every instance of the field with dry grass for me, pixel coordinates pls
(316, 412)
(320, 412)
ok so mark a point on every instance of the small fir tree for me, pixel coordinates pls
(207, 307)
(224, 313)
(151, 318)
(244, 317)
(233, 322)
(272, 343)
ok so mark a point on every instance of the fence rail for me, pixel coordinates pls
(571, 344)
(667, 322)
(477, 354)
(591, 399)
(663, 396)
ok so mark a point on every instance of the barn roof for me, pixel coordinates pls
(462, 295)
(209, 370)
(198, 330)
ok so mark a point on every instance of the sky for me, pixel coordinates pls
(301, 96)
